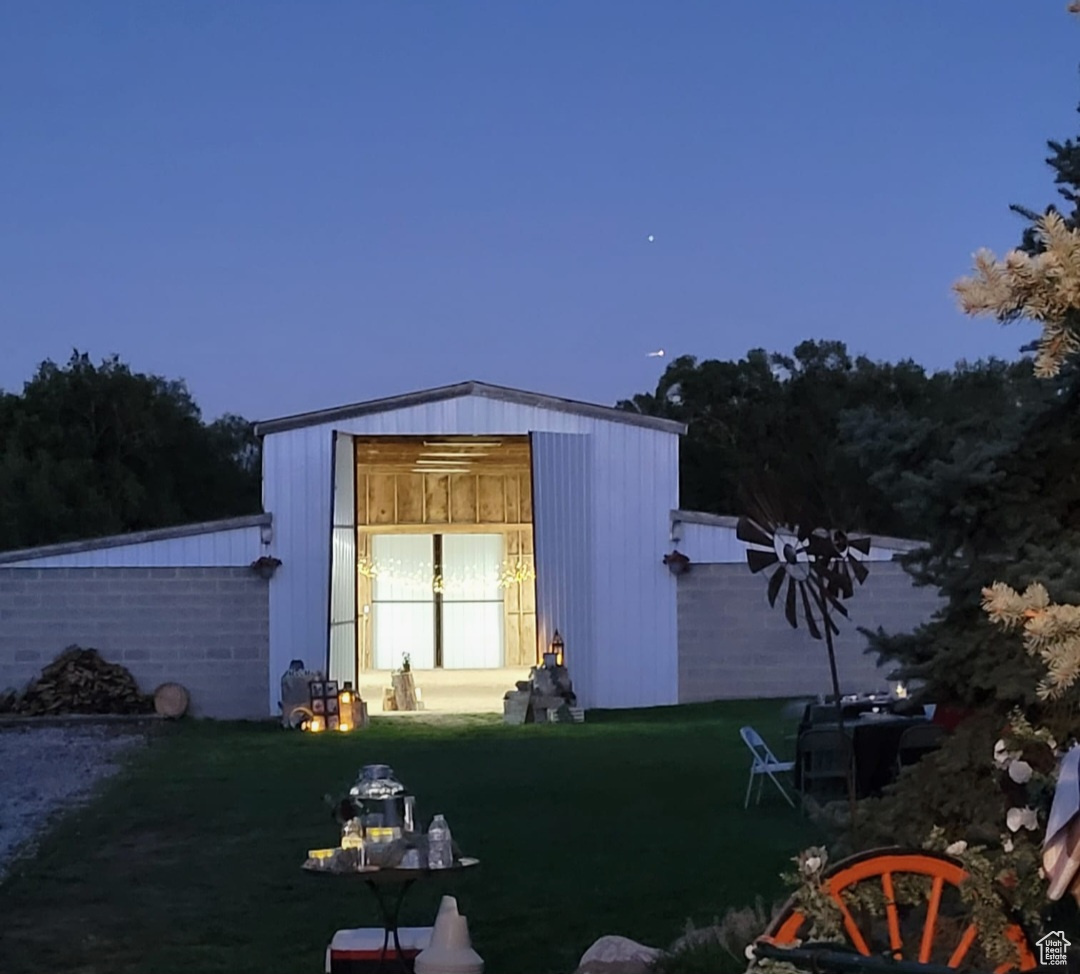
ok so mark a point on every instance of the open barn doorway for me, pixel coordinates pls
(445, 569)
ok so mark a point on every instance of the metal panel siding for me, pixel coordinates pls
(710, 544)
(342, 640)
(562, 542)
(635, 475)
(634, 658)
(296, 468)
(217, 549)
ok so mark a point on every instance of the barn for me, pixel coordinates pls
(458, 528)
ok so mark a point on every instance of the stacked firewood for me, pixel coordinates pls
(79, 681)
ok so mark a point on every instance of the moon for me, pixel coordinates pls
(651, 238)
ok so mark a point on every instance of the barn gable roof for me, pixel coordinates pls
(484, 389)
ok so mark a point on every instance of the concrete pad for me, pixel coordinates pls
(447, 691)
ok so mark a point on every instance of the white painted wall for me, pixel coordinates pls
(213, 549)
(635, 484)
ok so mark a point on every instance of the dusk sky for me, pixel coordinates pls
(294, 205)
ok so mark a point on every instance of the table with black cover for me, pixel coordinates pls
(876, 744)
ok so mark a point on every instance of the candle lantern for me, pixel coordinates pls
(557, 647)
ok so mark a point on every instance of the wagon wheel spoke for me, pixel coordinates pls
(896, 943)
(852, 928)
(931, 920)
(964, 946)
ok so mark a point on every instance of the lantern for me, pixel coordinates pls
(557, 647)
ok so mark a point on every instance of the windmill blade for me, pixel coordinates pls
(859, 544)
(759, 560)
(790, 605)
(752, 533)
(774, 584)
(811, 622)
(859, 570)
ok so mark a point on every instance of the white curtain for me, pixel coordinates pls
(472, 621)
(403, 600)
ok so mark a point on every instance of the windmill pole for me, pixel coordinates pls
(850, 770)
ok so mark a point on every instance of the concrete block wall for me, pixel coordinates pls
(733, 645)
(205, 628)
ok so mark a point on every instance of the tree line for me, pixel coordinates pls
(91, 450)
(94, 449)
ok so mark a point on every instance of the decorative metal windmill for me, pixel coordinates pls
(819, 567)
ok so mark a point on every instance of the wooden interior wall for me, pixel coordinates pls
(363, 601)
(420, 500)
(519, 603)
(392, 502)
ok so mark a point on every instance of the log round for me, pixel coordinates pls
(171, 700)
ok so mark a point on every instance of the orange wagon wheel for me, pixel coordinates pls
(923, 933)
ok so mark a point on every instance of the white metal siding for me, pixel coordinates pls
(563, 547)
(636, 472)
(342, 652)
(217, 549)
(634, 484)
(717, 545)
(297, 482)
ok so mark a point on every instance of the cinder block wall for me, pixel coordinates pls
(732, 645)
(205, 628)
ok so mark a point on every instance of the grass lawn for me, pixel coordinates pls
(189, 861)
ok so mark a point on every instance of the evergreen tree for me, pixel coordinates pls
(1007, 513)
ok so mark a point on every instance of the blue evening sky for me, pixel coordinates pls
(297, 204)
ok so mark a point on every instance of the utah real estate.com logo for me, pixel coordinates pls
(1053, 948)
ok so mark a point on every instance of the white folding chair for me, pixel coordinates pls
(764, 763)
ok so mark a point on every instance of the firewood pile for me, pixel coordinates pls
(79, 681)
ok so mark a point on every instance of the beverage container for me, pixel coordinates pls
(440, 844)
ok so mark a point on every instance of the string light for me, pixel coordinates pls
(467, 583)
(514, 573)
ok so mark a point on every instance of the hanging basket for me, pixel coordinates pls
(677, 563)
(265, 566)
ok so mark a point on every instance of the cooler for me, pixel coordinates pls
(358, 951)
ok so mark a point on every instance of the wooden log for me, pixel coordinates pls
(404, 691)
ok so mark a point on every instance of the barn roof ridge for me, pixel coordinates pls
(462, 389)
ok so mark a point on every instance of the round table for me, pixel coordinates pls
(389, 885)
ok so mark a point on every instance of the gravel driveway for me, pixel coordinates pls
(43, 769)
